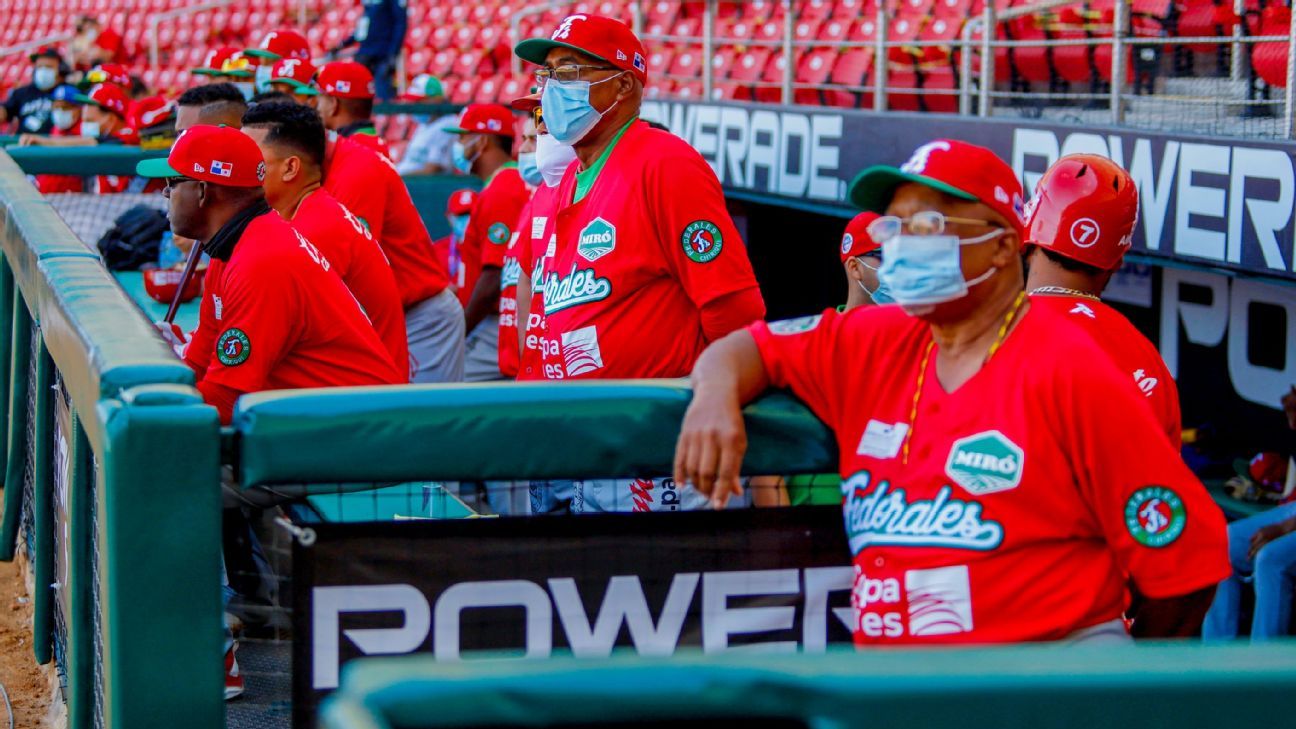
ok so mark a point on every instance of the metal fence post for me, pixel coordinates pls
(708, 50)
(154, 53)
(880, 62)
(789, 20)
(988, 26)
(965, 67)
(1119, 21)
(1235, 49)
(1290, 110)
(301, 13)
(636, 17)
(515, 31)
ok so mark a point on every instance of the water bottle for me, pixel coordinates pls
(169, 254)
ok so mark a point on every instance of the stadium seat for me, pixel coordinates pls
(815, 9)
(488, 91)
(730, 91)
(903, 29)
(689, 90)
(913, 9)
(1198, 18)
(749, 66)
(460, 91)
(688, 64)
(901, 80)
(1269, 59)
(770, 88)
(1030, 62)
(660, 59)
(722, 61)
(514, 88)
(945, 29)
(806, 30)
(663, 12)
(940, 78)
(441, 62)
(816, 66)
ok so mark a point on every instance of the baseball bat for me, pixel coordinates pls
(195, 255)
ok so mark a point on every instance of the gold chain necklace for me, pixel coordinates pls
(922, 370)
(1063, 291)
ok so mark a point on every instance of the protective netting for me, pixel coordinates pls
(29, 453)
(90, 216)
(95, 592)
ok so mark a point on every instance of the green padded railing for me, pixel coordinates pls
(1180, 686)
(142, 539)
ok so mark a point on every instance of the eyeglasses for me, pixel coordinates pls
(173, 182)
(926, 222)
(566, 74)
(537, 116)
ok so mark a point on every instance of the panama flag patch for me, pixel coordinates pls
(221, 169)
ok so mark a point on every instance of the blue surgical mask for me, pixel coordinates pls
(529, 169)
(568, 113)
(45, 78)
(458, 226)
(247, 88)
(264, 73)
(460, 158)
(880, 295)
(927, 269)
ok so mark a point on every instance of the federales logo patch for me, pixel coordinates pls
(702, 241)
(597, 240)
(233, 347)
(1155, 516)
(498, 234)
(985, 463)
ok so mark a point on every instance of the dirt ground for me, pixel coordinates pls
(27, 683)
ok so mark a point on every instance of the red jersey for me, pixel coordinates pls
(490, 226)
(1017, 507)
(536, 230)
(110, 184)
(648, 246)
(1130, 350)
(373, 142)
(441, 247)
(508, 351)
(357, 258)
(61, 183)
(369, 186)
(275, 316)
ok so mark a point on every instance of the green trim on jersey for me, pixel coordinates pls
(814, 489)
(585, 178)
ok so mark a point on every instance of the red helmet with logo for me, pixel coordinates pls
(161, 285)
(1085, 207)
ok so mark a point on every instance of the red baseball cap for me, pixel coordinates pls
(214, 63)
(237, 66)
(958, 169)
(150, 111)
(47, 51)
(606, 39)
(219, 155)
(109, 97)
(296, 73)
(282, 43)
(484, 119)
(346, 80)
(855, 239)
(110, 73)
(526, 103)
(461, 201)
(1085, 208)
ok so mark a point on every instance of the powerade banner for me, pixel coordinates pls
(1213, 201)
(771, 580)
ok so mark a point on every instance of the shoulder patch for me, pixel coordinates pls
(498, 234)
(233, 347)
(794, 326)
(1155, 516)
(702, 241)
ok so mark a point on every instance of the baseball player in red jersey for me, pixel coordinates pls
(485, 150)
(512, 316)
(1079, 225)
(345, 102)
(987, 495)
(368, 185)
(275, 45)
(273, 315)
(644, 242)
(295, 77)
(861, 258)
(291, 138)
(458, 208)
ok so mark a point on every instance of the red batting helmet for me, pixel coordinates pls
(1085, 208)
(161, 285)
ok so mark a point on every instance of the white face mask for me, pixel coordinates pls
(553, 158)
(45, 78)
(63, 118)
(90, 129)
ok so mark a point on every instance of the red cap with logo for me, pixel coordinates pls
(484, 119)
(461, 201)
(346, 80)
(153, 110)
(606, 39)
(293, 71)
(281, 43)
(1085, 208)
(161, 284)
(110, 73)
(109, 97)
(958, 169)
(219, 155)
(214, 61)
(855, 239)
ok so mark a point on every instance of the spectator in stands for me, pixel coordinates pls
(93, 44)
(214, 104)
(1262, 551)
(428, 152)
(30, 105)
(485, 150)
(67, 123)
(380, 31)
(346, 102)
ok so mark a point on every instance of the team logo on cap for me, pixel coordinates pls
(565, 27)
(702, 241)
(343, 86)
(199, 168)
(233, 347)
(1155, 516)
(922, 156)
(221, 169)
(639, 63)
(1085, 232)
(260, 171)
(848, 240)
(494, 125)
(621, 56)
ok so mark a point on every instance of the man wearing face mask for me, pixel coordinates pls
(274, 46)
(987, 497)
(485, 150)
(30, 105)
(66, 115)
(458, 209)
(291, 139)
(345, 103)
(861, 258)
(644, 241)
(429, 149)
(295, 77)
(511, 310)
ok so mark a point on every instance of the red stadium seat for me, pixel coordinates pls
(769, 31)
(816, 66)
(461, 91)
(853, 68)
(834, 30)
(722, 61)
(806, 30)
(473, 63)
(442, 62)
(904, 29)
(815, 9)
(1030, 62)
(865, 31)
(687, 64)
(730, 91)
(913, 9)
(689, 90)
(663, 12)
(688, 28)
(749, 66)
(940, 78)
(1270, 59)
(770, 88)
(901, 80)
(946, 29)
(514, 88)
(1200, 18)
(488, 91)
(952, 9)
(441, 37)
(660, 59)
(465, 37)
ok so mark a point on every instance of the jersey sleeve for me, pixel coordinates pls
(699, 242)
(522, 250)
(198, 353)
(499, 211)
(259, 325)
(364, 195)
(1166, 531)
(332, 235)
(798, 355)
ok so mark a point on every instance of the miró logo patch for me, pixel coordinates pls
(596, 240)
(985, 463)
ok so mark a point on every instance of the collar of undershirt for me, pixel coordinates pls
(585, 178)
(221, 245)
(362, 126)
